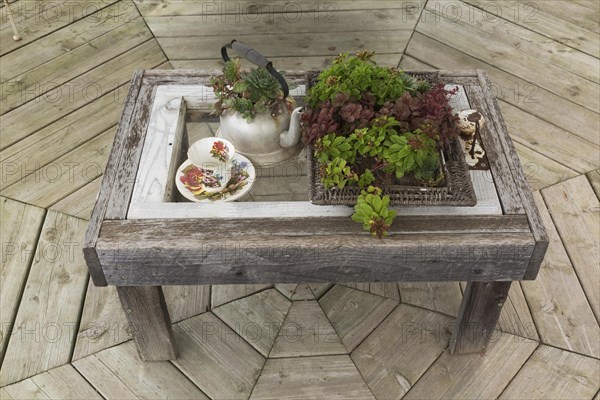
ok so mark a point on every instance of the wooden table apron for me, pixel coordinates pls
(140, 255)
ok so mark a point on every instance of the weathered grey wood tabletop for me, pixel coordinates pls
(141, 236)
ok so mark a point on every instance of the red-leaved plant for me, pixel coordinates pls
(429, 111)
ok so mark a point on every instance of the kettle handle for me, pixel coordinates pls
(256, 58)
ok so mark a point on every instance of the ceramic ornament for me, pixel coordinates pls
(214, 172)
(467, 120)
(473, 152)
(191, 182)
(267, 139)
(211, 150)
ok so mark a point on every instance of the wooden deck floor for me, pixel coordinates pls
(62, 88)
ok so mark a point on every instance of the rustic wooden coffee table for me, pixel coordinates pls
(141, 236)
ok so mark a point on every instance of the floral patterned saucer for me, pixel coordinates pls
(194, 182)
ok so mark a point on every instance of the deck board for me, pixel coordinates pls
(107, 78)
(303, 292)
(4, 395)
(118, 373)
(442, 297)
(516, 317)
(401, 349)
(575, 211)
(354, 314)
(40, 80)
(103, 322)
(575, 152)
(563, 375)
(316, 44)
(256, 318)
(590, 4)
(58, 383)
(46, 324)
(572, 12)
(286, 289)
(557, 301)
(473, 36)
(320, 289)
(316, 32)
(66, 174)
(30, 138)
(540, 170)
(187, 301)
(594, 178)
(306, 332)
(385, 289)
(21, 225)
(81, 202)
(28, 21)
(474, 376)
(225, 369)
(326, 377)
(56, 44)
(306, 63)
(249, 9)
(554, 27)
(342, 21)
(222, 294)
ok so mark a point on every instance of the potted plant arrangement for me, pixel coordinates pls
(257, 113)
(377, 137)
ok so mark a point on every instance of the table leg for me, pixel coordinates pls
(479, 312)
(148, 316)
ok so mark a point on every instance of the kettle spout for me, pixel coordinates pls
(291, 137)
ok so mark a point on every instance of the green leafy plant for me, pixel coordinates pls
(331, 146)
(366, 178)
(371, 210)
(411, 152)
(352, 78)
(377, 154)
(369, 141)
(337, 172)
(249, 93)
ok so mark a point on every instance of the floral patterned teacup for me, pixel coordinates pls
(212, 159)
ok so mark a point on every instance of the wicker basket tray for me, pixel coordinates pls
(456, 189)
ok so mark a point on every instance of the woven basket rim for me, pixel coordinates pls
(458, 190)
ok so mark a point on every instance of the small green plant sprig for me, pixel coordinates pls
(338, 173)
(411, 152)
(351, 160)
(353, 77)
(371, 210)
(250, 93)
